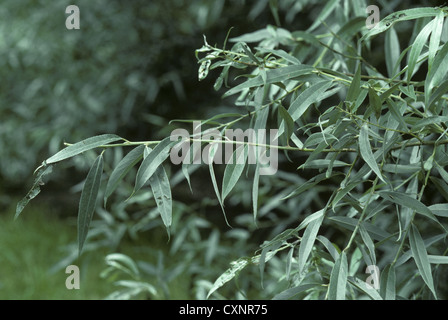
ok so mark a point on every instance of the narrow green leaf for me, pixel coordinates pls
(368, 242)
(403, 15)
(255, 186)
(421, 258)
(160, 186)
(435, 38)
(391, 50)
(272, 76)
(306, 186)
(417, 47)
(437, 73)
(234, 170)
(289, 123)
(375, 102)
(280, 53)
(408, 202)
(331, 248)
(338, 278)
(211, 155)
(387, 283)
(273, 5)
(122, 168)
(435, 97)
(364, 287)
(294, 291)
(87, 202)
(375, 232)
(439, 209)
(150, 164)
(289, 263)
(123, 263)
(326, 11)
(82, 146)
(35, 189)
(355, 86)
(437, 259)
(307, 242)
(308, 96)
(366, 151)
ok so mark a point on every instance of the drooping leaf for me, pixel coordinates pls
(211, 155)
(88, 199)
(421, 258)
(150, 164)
(363, 287)
(392, 50)
(294, 291)
(375, 102)
(437, 73)
(326, 11)
(307, 242)
(287, 120)
(306, 98)
(338, 278)
(408, 202)
(35, 189)
(234, 170)
(122, 168)
(435, 38)
(366, 151)
(160, 186)
(417, 47)
(387, 283)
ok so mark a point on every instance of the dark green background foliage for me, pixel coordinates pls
(362, 176)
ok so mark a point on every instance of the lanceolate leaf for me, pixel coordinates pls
(338, 278)
(435, 38)
(307, 243)
(366, 151)
(274, 75)
(437, 73)
(306, 98)
(417, 47)
(35, 189)
(122, 168)
(82, 146)
(212, 152)
(234, 170)
(408, 202)
(152, 162)
(421, 258)
(161, 190)
(403, 15)
(387, 283)
(87, 202)
(326, 11)
(392, 50)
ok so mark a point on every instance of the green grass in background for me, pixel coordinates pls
(34, 243)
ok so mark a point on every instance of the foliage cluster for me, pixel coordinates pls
(361, 181)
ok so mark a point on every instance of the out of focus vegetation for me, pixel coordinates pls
(131, 69)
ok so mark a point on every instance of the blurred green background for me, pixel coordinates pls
(129, 70)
